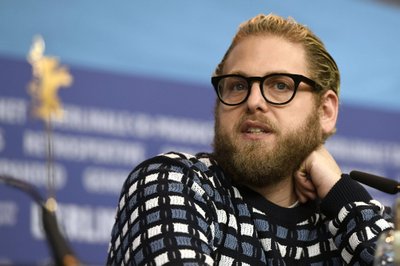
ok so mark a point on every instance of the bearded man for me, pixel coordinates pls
(270, 193)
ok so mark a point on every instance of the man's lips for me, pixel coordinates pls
(254, 127)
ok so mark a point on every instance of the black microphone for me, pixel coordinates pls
(62, 252)
(378, 182)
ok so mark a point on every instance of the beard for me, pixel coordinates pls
(256, 163)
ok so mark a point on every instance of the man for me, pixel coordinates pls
(270, 194)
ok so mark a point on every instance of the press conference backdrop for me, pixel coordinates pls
(141, 87)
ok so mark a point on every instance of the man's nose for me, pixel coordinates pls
(256, 100)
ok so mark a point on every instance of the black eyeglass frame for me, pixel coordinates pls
(250, 80)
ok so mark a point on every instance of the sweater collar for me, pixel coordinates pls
(284, 216)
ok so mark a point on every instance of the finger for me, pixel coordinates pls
(304, 182)
(303, 195)
(302, 199)
(308, 186)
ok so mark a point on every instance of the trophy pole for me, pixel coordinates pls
(51, 202)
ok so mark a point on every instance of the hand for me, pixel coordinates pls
(317, 175)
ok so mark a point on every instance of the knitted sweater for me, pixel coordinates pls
(179, 209)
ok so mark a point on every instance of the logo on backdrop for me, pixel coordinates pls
(48, 77)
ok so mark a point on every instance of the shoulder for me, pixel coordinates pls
(178, 167)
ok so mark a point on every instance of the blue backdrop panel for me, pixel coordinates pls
(111, 123)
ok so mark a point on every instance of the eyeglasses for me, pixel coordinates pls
(277, 88)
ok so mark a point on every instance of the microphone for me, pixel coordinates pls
(378, 182)
(62, 252)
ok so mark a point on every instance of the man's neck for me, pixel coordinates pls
(281, 194)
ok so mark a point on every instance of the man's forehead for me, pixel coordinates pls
(261, 55)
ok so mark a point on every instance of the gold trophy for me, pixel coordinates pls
(48, 77)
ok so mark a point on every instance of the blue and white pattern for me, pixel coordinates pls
(181, 209)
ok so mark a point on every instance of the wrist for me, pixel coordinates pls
(328, 184)
(345, 190)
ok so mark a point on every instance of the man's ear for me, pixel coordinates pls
(329, 109)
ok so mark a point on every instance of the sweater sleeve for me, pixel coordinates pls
(356, 220)
(164, 217)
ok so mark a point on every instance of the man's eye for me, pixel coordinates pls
(238, 87)
(281, 86)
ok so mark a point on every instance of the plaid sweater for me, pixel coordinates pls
(179, 209)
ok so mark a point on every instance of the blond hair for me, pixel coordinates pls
(322, 66)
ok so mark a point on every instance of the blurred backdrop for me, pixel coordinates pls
(140, 85)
